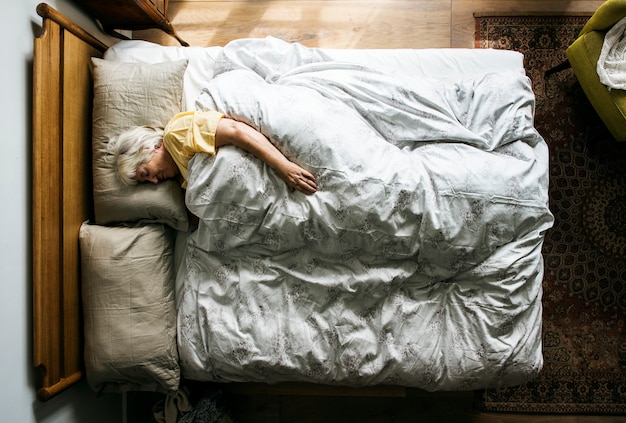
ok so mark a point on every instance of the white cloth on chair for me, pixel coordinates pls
(611, 66)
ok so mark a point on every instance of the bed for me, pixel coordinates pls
(417, 264)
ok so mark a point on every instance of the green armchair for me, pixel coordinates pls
(583, 57)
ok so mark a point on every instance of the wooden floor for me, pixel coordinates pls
(415, 407)
(347, 23)
(355, 24)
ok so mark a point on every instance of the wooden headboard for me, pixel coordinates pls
(61, 194)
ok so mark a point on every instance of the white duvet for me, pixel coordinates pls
(417, 263)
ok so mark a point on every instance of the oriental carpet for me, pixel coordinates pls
(584, 300)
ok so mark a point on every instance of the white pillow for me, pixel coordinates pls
(126, 95)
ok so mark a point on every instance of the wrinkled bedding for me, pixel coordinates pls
(417, 263)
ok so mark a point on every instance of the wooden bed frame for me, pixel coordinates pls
(62, 198)
(62, 201)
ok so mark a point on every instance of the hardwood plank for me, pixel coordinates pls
(254, 408)
(76, 188)
(374, 410)
(339, 24)
(61, 159)
(308, 389)
(46, 214)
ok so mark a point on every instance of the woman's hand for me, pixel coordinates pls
(297, 178)
(237, 133)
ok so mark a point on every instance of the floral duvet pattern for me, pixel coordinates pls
(417, 263)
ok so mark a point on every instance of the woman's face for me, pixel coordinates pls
(159, 168)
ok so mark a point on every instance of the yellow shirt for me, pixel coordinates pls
(189, 133)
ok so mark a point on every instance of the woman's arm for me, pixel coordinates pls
(230, 131)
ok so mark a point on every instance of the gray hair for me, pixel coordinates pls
(133, 148)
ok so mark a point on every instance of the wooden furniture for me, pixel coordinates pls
(61, 194)
(62, 198)
(131, 15)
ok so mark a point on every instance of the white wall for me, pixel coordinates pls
(18, 402)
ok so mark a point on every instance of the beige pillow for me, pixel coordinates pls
(126, 95)
(129, 308)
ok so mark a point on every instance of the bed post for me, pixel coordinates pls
(61, 195)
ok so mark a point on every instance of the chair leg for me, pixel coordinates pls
(558, 68)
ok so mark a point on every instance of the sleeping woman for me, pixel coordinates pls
(146, 154)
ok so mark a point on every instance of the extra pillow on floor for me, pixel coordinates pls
(129, 308)
(126, 95)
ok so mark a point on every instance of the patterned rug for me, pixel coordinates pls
(584, 300)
